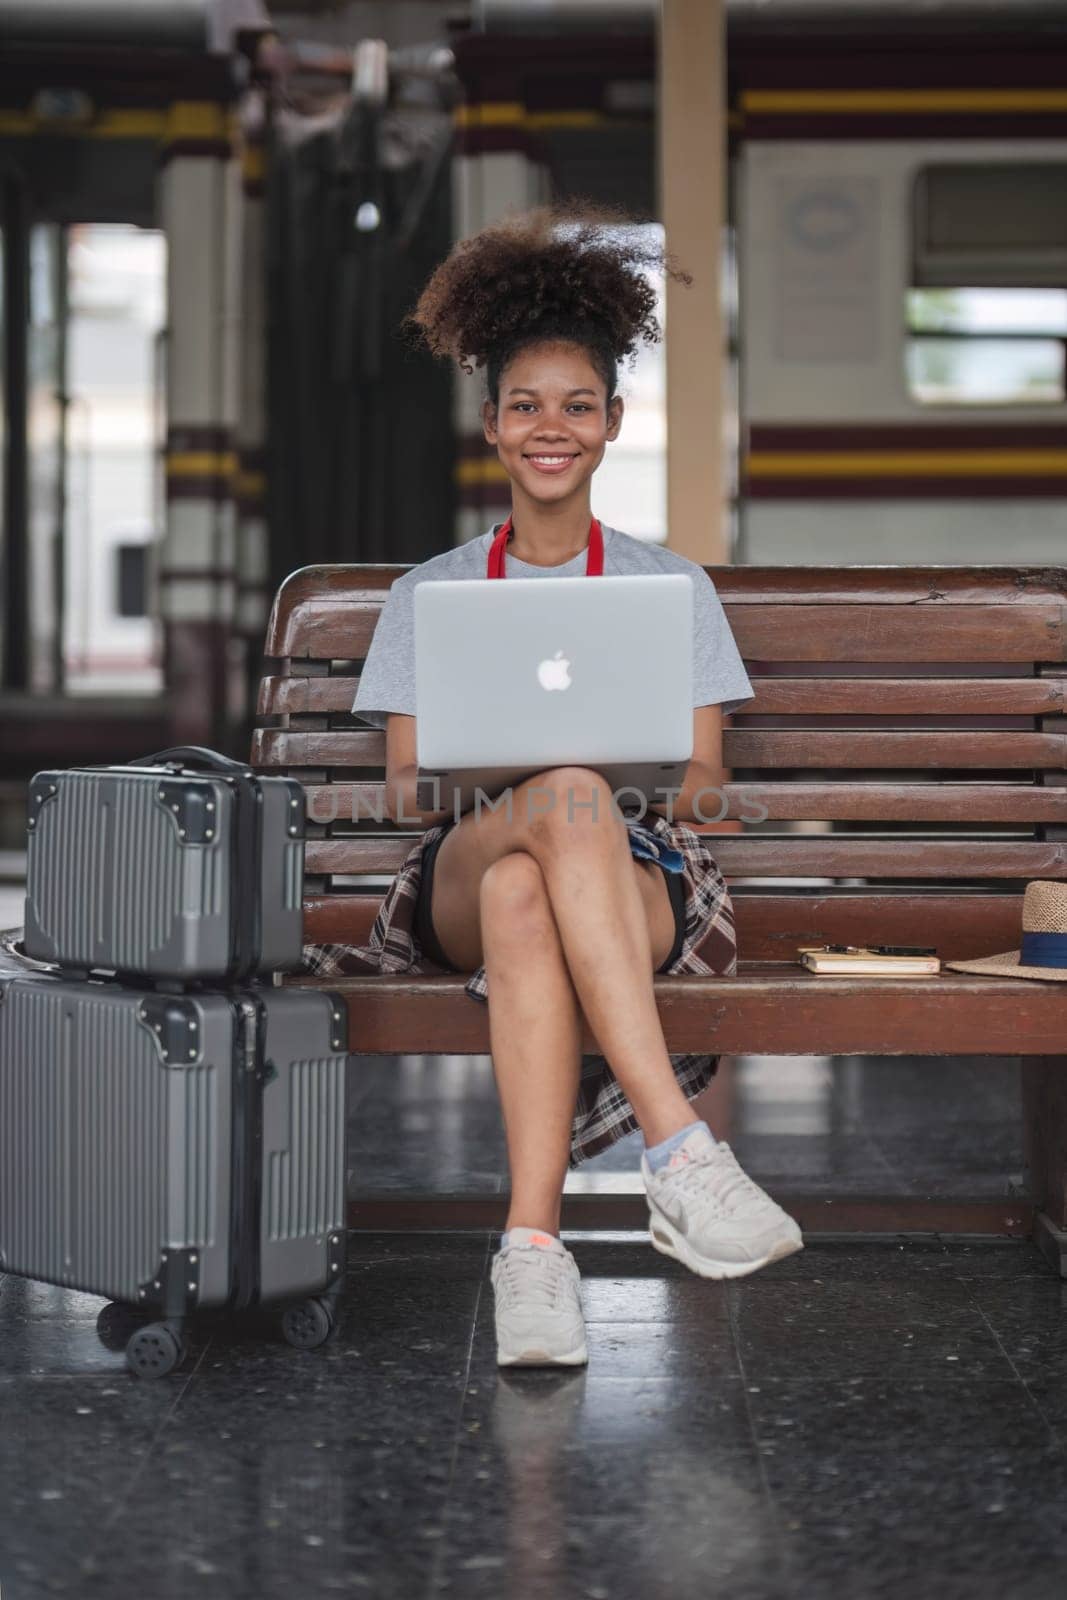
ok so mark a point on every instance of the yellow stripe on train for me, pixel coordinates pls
(201, 464)
(913, 463)
(903, 100)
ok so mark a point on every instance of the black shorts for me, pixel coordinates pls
(427, 938)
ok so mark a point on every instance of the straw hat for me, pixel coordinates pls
(1044, 949)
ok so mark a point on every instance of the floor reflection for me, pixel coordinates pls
(946, 1128)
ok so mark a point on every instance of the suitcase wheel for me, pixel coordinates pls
(307, 1324)
(117, 1321)
(155, 1350)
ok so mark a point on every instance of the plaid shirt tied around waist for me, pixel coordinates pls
(709, 948)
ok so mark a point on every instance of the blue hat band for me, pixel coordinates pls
(1043, 950)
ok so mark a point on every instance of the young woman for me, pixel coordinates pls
(567, 908)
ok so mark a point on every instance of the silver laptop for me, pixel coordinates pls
(515, 677)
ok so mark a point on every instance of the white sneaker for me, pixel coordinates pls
(539, 1318)
(704, 1211)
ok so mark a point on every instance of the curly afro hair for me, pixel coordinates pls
(552, 272)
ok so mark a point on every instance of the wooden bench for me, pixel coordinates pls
(913, 718)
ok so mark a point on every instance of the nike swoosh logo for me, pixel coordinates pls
(675, 1213)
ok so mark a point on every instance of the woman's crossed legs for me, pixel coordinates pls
(566, 921)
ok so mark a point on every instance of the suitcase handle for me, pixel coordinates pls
(195, 755)
(245, 888)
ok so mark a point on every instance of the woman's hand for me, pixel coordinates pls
(704, 772)
(401, 773)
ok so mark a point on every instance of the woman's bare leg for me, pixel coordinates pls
(607, 910)
(535, 1035)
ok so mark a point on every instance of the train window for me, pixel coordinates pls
(995, 224)
(976, 346)
(986, 313)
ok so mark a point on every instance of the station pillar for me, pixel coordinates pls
(199, 202)
(691, 102)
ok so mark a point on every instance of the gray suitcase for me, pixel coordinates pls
(185, 866)
(174, 1152)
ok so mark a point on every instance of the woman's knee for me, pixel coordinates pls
(568, 804)
(513, 896)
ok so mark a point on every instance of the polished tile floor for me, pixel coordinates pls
(860, 1421)
(865, 1420)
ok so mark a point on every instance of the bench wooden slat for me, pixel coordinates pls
(960, 926)
(742, 747)
(890, 585)
(814, 697)
(300, 696)
(979, 697)
(799, 855)
(350, 747)
(329, 611)
(761, 1011)
(1036, 631)
(825, 802)
(342, 918)
(340, 625)
(770, 926)
(862, 632)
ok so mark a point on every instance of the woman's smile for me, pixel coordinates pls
(550, 463)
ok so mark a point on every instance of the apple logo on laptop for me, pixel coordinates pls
(555, 673)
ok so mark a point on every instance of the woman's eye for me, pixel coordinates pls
(579, 405)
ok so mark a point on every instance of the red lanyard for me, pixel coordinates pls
(594, 561)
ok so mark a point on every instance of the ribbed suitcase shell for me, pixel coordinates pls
(133, 870)
(135, 1127)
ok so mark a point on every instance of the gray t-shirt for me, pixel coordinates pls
(388, 681)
